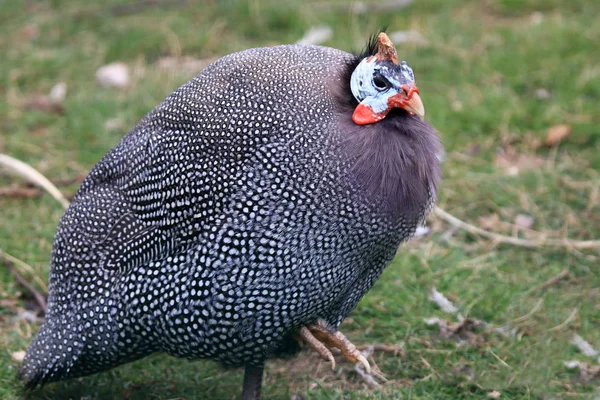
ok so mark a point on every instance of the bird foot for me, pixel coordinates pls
(321, 339)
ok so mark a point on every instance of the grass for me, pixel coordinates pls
(480, 75)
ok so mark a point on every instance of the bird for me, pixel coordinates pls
(248, 213)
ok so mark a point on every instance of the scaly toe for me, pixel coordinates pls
(350, 351)
(325, 337)
(318, 347)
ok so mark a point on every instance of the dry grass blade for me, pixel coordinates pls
(500, 360)
(561, 275)
(396, 350)
(535, 308)
(28, 172)
(28, 189)
(21, 192)
(25, 192)
(24, 266)
(39, 298)
(566, 321)
(543, 242)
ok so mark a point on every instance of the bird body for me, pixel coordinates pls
(248, 204)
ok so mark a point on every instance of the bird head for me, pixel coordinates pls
(380, 83)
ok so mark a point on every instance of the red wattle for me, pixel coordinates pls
(364, 115)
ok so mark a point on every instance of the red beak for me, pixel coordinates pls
(410, 102)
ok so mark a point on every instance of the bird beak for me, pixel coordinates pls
(410, 102)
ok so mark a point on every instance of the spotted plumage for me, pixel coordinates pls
(243, 207)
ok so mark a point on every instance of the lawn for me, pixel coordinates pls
(496, 77)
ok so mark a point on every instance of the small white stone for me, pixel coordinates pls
(18, 355)
(584, 346)
(524, 221)
(536, 18)
(113, 75)
(58, 92)
(442, 302)
(542, 93)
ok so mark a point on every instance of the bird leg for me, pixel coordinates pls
(253, 375)
(320, 339)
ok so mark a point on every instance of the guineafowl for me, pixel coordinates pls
(250, 210)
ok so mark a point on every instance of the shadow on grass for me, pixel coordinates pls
(155, 377)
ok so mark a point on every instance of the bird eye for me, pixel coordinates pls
(380, 83)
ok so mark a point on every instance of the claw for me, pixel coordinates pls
(321, 339)
(365, 363)
(350, 351)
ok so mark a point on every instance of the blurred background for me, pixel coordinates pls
(513, 86)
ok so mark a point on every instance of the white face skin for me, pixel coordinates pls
(373, 82)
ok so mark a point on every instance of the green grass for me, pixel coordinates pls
(478, 74)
